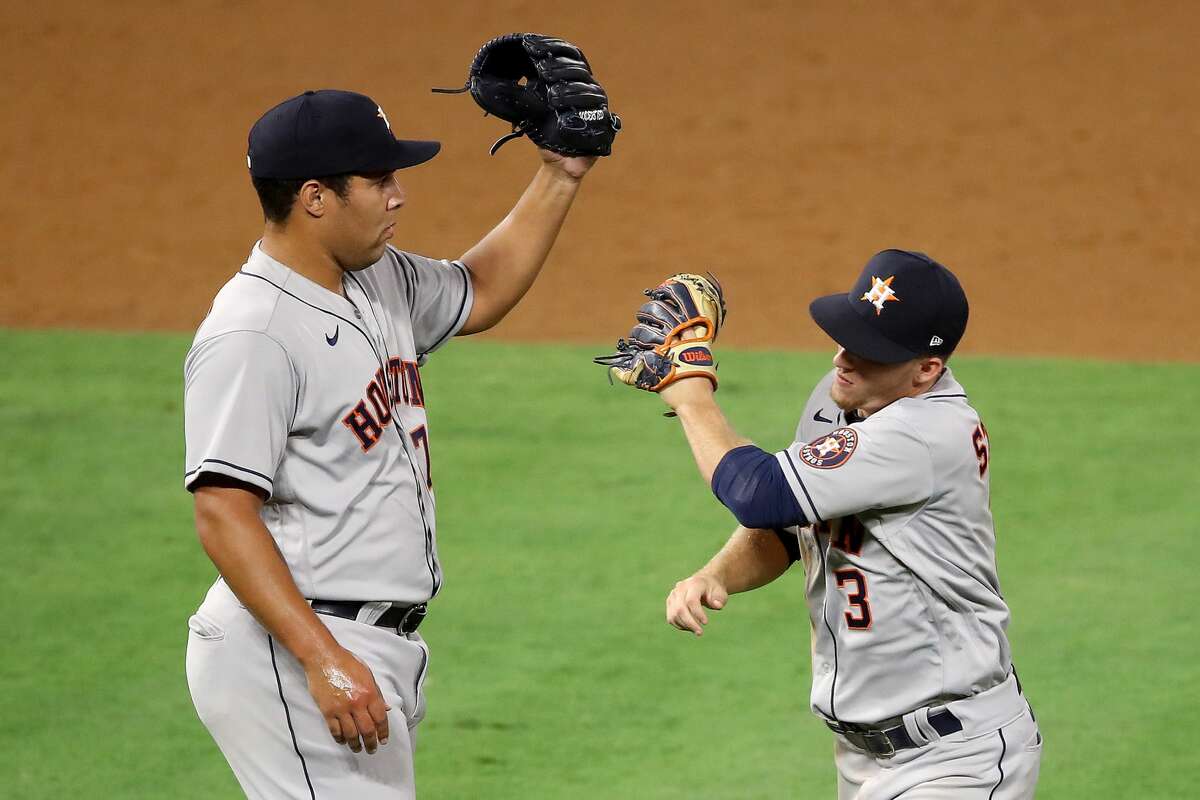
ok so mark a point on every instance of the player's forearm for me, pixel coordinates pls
(246, 556)
(708, 433)
(747, 480)
(505, 263)
(750, 559)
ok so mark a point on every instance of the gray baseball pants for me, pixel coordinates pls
(996, 756)
(252, 695)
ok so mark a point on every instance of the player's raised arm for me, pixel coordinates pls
(505, 263)
(670, 344)
(545, 88)
(750, 559)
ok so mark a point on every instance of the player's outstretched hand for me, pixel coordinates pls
(349, 699)
(689, 598)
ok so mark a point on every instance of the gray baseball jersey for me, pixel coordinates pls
(902, 591)
(316, 399)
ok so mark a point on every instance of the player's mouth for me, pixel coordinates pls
(389, 230)
(843, 380)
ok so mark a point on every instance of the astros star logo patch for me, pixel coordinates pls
(830, 452)
(881, 292)
(383, 117)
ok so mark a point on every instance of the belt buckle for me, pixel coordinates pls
(874, 740)
(420, 610)
(888, 749)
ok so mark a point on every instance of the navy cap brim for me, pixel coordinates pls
(837, 317)
(406, 153)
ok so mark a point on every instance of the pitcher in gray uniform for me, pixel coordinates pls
(884, 497)
(309, 452)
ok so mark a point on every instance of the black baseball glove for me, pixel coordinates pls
(673, 335)
(545, 88)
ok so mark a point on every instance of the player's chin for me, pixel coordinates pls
(843, 399)
(384, 238)
(371, 256)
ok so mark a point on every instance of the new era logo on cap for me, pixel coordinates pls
(926, 309)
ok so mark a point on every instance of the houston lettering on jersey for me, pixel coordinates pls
(371, 414)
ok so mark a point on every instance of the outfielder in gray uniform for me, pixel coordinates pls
(884, 497)
(309, 451)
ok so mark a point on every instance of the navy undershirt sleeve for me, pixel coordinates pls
(751, 484)
(790, 542)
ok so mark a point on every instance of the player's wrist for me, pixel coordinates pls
(317, 649)
(688, 395)
(560, 173)
(712, 576)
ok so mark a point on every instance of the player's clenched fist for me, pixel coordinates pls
(689, 598)
(349, 699)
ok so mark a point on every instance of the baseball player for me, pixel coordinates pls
(309, 451)
(884, 497)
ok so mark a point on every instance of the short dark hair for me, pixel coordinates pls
(278, 195)
(945, 357)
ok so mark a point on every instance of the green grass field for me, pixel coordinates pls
(553, 673)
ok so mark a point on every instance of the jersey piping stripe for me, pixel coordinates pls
(200, 466)
(310, 305)
(803, 488)
(430, 562)
(832, 635)
(936, 396)
(999, 763)
(456, 324)
(288, 716)
(410, 285)
(370, 344)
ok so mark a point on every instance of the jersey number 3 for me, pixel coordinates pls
(858, 618)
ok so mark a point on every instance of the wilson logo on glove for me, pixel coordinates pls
(697, 356)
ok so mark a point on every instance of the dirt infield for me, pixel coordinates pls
(1042, 150)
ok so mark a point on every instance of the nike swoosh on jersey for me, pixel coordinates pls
(332, 340)
(817, 416)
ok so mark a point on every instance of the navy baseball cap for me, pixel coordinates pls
(329, 132)
(904, 305)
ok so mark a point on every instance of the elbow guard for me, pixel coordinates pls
(750, 483)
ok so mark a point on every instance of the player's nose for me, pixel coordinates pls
(397, 197)
(841, 359)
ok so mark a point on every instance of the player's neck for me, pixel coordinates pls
(916, 390)
(304, 257)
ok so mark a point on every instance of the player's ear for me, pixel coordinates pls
(929, 370)
(313, 198)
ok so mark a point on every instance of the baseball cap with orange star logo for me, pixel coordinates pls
(904, 305)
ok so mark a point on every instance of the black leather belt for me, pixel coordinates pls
(402, 619)
(885, 739)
